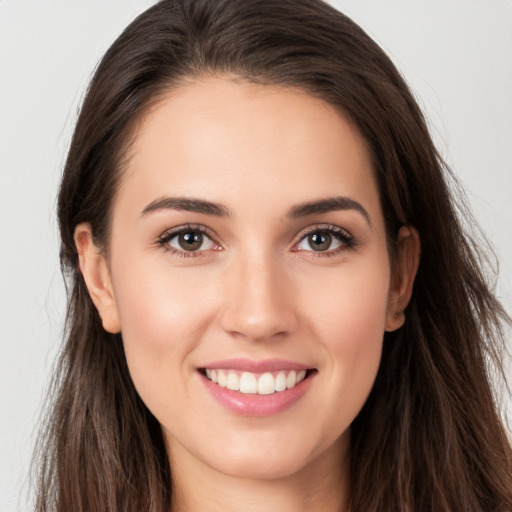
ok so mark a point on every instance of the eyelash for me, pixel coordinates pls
(348, 242)
(164, 239)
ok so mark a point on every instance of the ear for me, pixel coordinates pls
(96, 274)
(403, 273)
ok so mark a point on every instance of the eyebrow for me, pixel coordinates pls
(220, 210)
(329, 205)
(187, 204)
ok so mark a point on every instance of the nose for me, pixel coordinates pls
(259, 300)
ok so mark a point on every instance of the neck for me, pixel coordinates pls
(319, 485)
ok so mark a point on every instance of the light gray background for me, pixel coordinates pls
(457, 56)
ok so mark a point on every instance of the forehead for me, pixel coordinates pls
(245, 145)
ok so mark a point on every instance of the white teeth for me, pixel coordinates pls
(222, 379)
(212, 375)
(233, 381)
(291, 380)
(266, 384)
(248, 383)
(281, 381)
(252, 383)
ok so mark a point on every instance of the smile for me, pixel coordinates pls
(257, 388)
(246, 382)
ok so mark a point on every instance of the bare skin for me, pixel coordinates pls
(248, 225)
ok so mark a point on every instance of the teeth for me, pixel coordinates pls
(266, 384)
(222, 378)
(261, 384)
(212, 375)
(291, 380)
(248, 383)
(281, 381)
(233, 381)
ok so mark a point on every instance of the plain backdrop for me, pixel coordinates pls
(456, 55)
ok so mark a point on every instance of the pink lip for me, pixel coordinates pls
(253, 404)
(250, 365)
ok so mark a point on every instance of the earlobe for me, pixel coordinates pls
(404, 271)
(96, 274)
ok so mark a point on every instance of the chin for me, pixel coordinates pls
(258, 466)
(264, 457)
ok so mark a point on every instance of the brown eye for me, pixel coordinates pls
(320, 241)
(190, 240)
(325, 241)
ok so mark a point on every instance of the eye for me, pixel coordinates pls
(187, 240)
(321, 241)
(328, 239)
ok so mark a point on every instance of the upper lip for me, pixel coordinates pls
(255, 366)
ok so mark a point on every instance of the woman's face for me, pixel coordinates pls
(248, 247)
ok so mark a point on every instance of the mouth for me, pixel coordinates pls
(250, 387)
(252, 383)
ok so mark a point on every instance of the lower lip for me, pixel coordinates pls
(248, 404)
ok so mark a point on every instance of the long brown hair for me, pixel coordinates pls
(430, 436)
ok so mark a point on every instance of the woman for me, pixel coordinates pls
(273, 305)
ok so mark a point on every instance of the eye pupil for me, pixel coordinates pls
(190, 241)
(319, 241)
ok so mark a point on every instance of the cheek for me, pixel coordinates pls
(348, 317)
(162, 317)
(350, 301)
